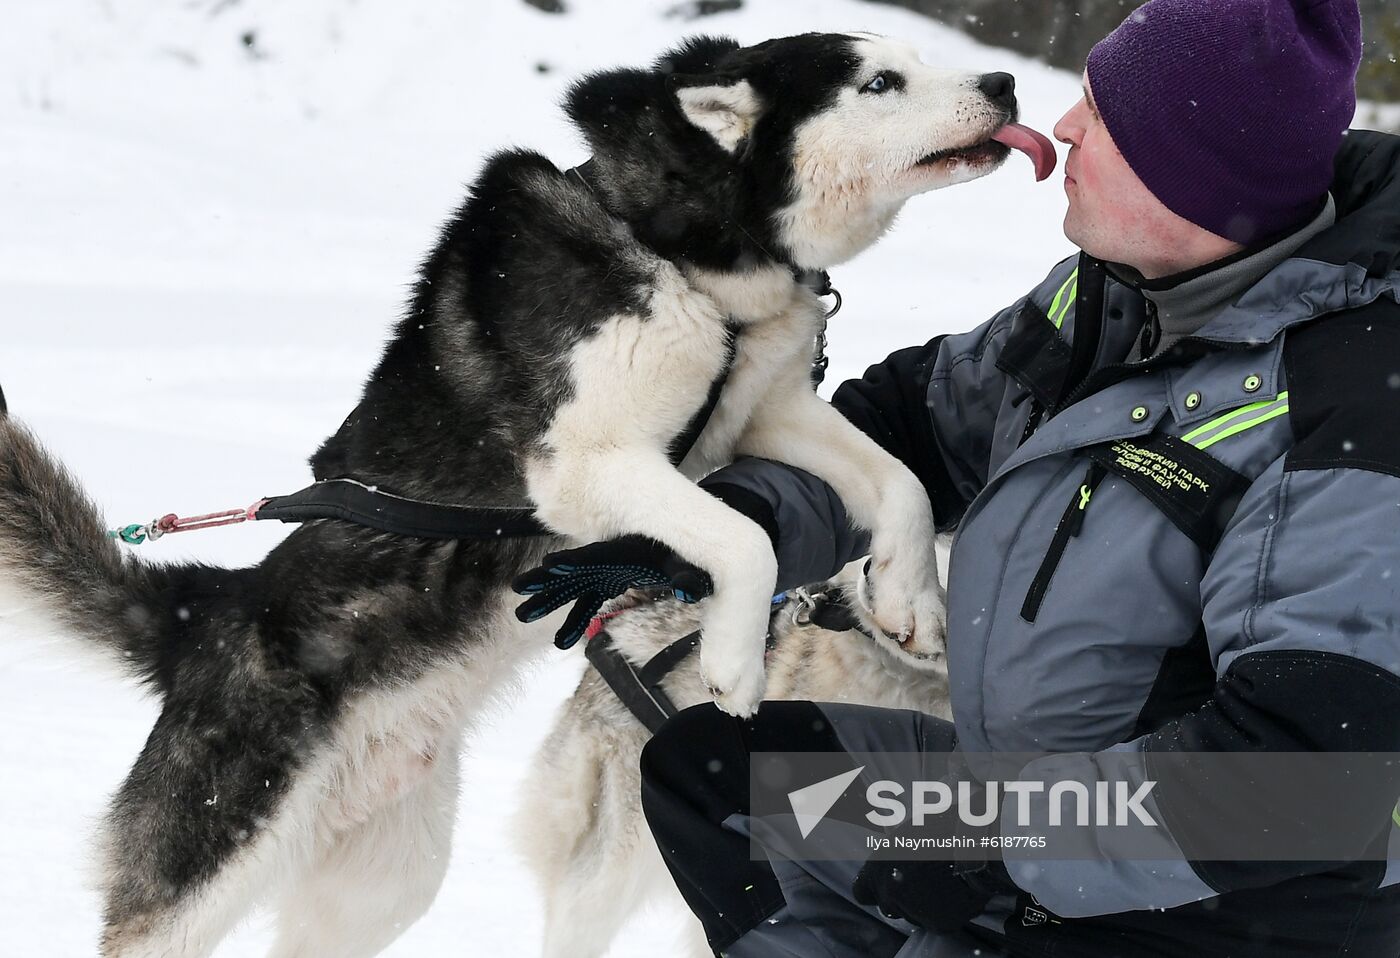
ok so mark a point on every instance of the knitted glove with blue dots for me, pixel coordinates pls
(591, 575)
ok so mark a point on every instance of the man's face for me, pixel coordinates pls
(1112, 215)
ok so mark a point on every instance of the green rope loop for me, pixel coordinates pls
(134, 534)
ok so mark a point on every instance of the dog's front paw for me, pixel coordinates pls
(908, 604)
(731, 664)
(738, 692)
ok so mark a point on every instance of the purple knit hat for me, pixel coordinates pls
(1231, 111)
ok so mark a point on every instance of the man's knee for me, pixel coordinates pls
(703, 734)
(702, 754)
(681, 741)
(698, 760)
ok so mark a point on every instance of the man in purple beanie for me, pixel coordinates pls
(1174, 470)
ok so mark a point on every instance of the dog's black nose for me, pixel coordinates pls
(1000, 88)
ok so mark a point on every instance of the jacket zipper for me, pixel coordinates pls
(1069, 526)
(1032, 422)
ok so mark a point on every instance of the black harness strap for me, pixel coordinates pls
(669, 659)
(587, 174)
(355, 502)
(829, 610)
(682, 444)
(640, 690)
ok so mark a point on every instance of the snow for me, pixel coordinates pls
(202, 247)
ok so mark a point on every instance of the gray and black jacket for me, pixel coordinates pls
(1200, 551)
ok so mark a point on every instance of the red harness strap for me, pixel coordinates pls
(596, 624)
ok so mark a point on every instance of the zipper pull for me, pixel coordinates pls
(1151, 332)
(1084, 494)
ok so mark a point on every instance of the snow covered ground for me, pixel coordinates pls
(202, 245)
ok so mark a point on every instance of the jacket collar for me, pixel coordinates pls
(1296, 292)
(1350, 264)
(1223, 380)
(1347, 266)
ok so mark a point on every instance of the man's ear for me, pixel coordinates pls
(725, 110)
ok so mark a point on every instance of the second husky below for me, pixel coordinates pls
(580, 823)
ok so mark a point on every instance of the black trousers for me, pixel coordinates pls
(695, 792)
(695, 785)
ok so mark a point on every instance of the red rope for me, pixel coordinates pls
(173, 523)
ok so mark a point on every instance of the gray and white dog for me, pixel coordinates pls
(580, 824)
(562, 334)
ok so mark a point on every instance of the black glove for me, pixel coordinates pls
(940, 895)
(591, 575)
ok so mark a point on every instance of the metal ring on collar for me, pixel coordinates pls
(837, 308)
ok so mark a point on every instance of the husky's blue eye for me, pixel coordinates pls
(887, 82)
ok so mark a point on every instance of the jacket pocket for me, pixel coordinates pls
(1069, 526)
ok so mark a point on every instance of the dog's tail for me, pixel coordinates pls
(54, 550)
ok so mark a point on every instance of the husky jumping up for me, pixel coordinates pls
(563, 332)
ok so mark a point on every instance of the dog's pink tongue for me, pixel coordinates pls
(1033, 144)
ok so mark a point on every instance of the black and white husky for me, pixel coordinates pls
(561, 336)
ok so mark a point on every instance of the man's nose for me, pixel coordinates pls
(1000, 88)
(1069, 129)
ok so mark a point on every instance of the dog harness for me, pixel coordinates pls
(640, 689)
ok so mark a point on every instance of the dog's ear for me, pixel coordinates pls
(725, 108)
(722, 104)
(696, 55)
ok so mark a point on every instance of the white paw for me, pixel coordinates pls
(741, 694)
(731, 664)
(908, 604)
(906, 599)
